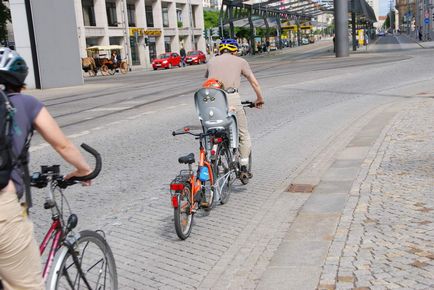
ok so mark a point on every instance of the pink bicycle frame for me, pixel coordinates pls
(55, 230)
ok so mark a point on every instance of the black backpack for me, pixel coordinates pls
(7, 162)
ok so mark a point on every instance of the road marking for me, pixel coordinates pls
(171, 107)
(108, 109)
(38, 147)
(148, 112)
(78, 134)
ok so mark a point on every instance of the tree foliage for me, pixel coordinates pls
(5, 16)
(211, 18)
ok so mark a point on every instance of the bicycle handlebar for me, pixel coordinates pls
(200, 135)
(248, 104)
(40, 180)
(97, 168)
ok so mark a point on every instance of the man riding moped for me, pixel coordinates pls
(228, 68)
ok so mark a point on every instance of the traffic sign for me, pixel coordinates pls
(426, 20)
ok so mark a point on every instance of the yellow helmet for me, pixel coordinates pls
(229, 44)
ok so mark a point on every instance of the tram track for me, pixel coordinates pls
(157, 84)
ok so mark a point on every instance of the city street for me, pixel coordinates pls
(315, 105)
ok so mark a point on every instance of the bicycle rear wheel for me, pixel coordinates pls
(183, 218)
(94, 257)
(224, 175)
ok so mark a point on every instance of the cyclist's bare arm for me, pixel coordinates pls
(257, 88)
(50, 131)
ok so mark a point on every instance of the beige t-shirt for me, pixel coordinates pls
(228, 69)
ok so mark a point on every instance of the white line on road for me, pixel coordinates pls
(79, 134)
(108, 109)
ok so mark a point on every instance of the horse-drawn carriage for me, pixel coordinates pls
(106, 59)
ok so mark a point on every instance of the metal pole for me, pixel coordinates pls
(191, 25)
(252, 35)
(231, 23)
(33, 44)
(353, 24)
(341, 26)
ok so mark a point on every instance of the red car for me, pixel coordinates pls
(195, 57)
(167, 60)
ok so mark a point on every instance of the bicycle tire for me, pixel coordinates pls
(222, 173)
(64, 268)
(209, 198)
(183, 226)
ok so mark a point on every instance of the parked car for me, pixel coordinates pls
(195, 57)
(304, 41)
(167, 60)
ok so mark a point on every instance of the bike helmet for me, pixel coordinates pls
(229, 44)
(213, 83)
(13, 68)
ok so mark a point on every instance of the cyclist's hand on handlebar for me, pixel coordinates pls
(259, 102)
(80, 172)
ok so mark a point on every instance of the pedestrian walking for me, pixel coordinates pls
(183, 55)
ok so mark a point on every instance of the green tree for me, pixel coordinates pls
(387, 21)
(211, 18)
(242, 32)
(5, 16)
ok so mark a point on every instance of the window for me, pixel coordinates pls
(131, 10)
(88, 13)
(165, 17)
(112, 18)
(179, 14)
(149, 16)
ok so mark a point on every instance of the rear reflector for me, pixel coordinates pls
(175, 201)
(176, 186)
(213, 152)
(218, 140)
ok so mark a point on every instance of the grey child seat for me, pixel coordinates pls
(213, 112)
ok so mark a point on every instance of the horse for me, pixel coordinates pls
(88, 65)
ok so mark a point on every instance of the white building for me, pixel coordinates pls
(145, 28)
(213, 4)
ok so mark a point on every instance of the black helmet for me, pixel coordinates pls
(13, 68)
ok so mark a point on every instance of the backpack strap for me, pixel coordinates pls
(23, 162)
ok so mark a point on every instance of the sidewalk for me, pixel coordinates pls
(423, 44)
(369, 222)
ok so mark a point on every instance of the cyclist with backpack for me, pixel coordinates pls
(228, 68)
(20, 263)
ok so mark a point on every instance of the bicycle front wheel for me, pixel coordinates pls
(89, 265)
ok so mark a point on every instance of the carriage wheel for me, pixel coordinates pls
(92, 72)
(104, 70)
(124, 67)
(112, 70)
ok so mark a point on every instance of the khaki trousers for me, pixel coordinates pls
(245, 143)
(20, 262)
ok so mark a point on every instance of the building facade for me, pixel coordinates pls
(144, 28)
(407, 15)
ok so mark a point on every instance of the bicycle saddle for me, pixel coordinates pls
(187, 159)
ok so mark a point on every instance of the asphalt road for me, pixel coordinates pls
(311, 96)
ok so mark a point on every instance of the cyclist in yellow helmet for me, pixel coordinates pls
(228, 68)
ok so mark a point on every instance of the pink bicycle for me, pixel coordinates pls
(80, 260)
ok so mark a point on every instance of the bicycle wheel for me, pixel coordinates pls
(95, 258)
(182, 216)
(223, 174)
(208, 196)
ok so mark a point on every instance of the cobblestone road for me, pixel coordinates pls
(385, 236)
